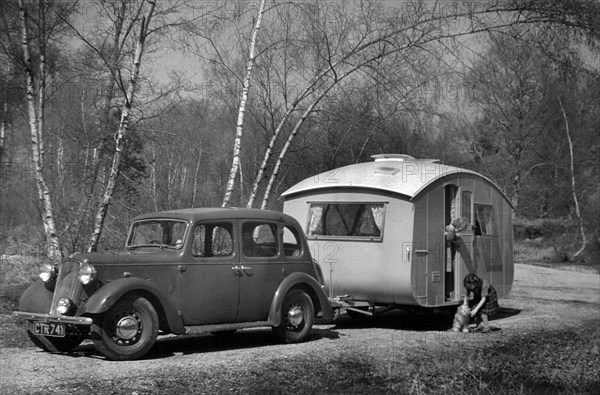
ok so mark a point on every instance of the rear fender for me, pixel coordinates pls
(309, 285)
(106, 296)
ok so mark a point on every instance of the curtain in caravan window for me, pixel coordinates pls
(466, 207)
(346, 220)
(315, 225)
(484, 220)
(377, 213)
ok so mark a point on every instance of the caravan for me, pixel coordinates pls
(378, 231)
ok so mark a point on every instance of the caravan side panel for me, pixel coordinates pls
(373, 271)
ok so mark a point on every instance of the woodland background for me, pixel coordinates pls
(112, 108)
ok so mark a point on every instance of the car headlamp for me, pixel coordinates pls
(47, 272)
(63, 305)
(87, 273)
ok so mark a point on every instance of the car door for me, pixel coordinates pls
(261, 268)
(210, 280)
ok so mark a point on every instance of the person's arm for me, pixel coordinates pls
(476, 309)
(484, 293)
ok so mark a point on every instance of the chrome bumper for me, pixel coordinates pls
(53, 318)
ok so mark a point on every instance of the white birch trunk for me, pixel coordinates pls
(121, 131)
(289, 141)
(584, 240)
(154, 195)
(53, 249)
(94, 174)
(237, 146)
(295, 131)
(268, 153)
(196, 178)
(3, 131)
(182, 185)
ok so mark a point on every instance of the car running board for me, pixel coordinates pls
(200, 329)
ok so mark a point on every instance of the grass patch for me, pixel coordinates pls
(553, 240)
(524, 362)
(16, 273)
(542, 361)
(16, 270)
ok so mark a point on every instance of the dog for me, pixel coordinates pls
(462, 318)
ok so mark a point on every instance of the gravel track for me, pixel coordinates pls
(541, 298)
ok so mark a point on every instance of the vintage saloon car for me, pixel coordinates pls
(182, 272)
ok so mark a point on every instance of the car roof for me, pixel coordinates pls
(207, 213)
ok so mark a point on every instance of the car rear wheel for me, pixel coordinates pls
(297, 315)
(55, 344)
(127, 331)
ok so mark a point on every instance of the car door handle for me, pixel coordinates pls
(239, 269)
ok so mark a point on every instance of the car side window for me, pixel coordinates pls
(291, 242)
(259, 240)
(212, 240)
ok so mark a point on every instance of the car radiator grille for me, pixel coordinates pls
(67, 283)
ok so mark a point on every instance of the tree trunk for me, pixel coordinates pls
(584, 240)
(268, 153)
(36, 124)
(196, 174)
(153, 177)
(290, 139)
(94, 173)
(3, 132)
(121, 132)
(237, 146)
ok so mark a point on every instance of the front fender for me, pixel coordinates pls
(106, 296)
(37, 298)
(309, 285)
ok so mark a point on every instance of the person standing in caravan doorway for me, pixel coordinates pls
(483, 296)
(452, 235)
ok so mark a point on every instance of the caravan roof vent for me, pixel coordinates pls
(392, 157)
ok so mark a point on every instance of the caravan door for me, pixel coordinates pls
(464, 264)
(458, 203)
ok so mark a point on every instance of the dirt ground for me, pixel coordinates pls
(541, 298)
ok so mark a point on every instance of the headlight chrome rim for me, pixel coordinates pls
(47, 272)
(87, 273)
(63, 305)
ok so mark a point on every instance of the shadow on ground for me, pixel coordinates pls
(413, 321)
(207, 343)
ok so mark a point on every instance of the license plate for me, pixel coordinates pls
(49, 329)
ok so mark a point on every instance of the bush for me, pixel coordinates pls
(18, 270)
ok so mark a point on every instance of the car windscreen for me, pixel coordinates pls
(164, 233)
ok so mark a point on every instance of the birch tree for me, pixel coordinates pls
(333, 40)
(584, 240)
(110, 51)
(123, 127)
(237, 146)
(346, 50)
(105, 58)
(36, 93)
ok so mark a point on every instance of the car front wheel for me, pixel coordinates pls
(297, 315)
(127, 331)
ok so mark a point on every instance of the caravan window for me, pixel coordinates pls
(342, 220)
(484, 220)
(465, 209)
